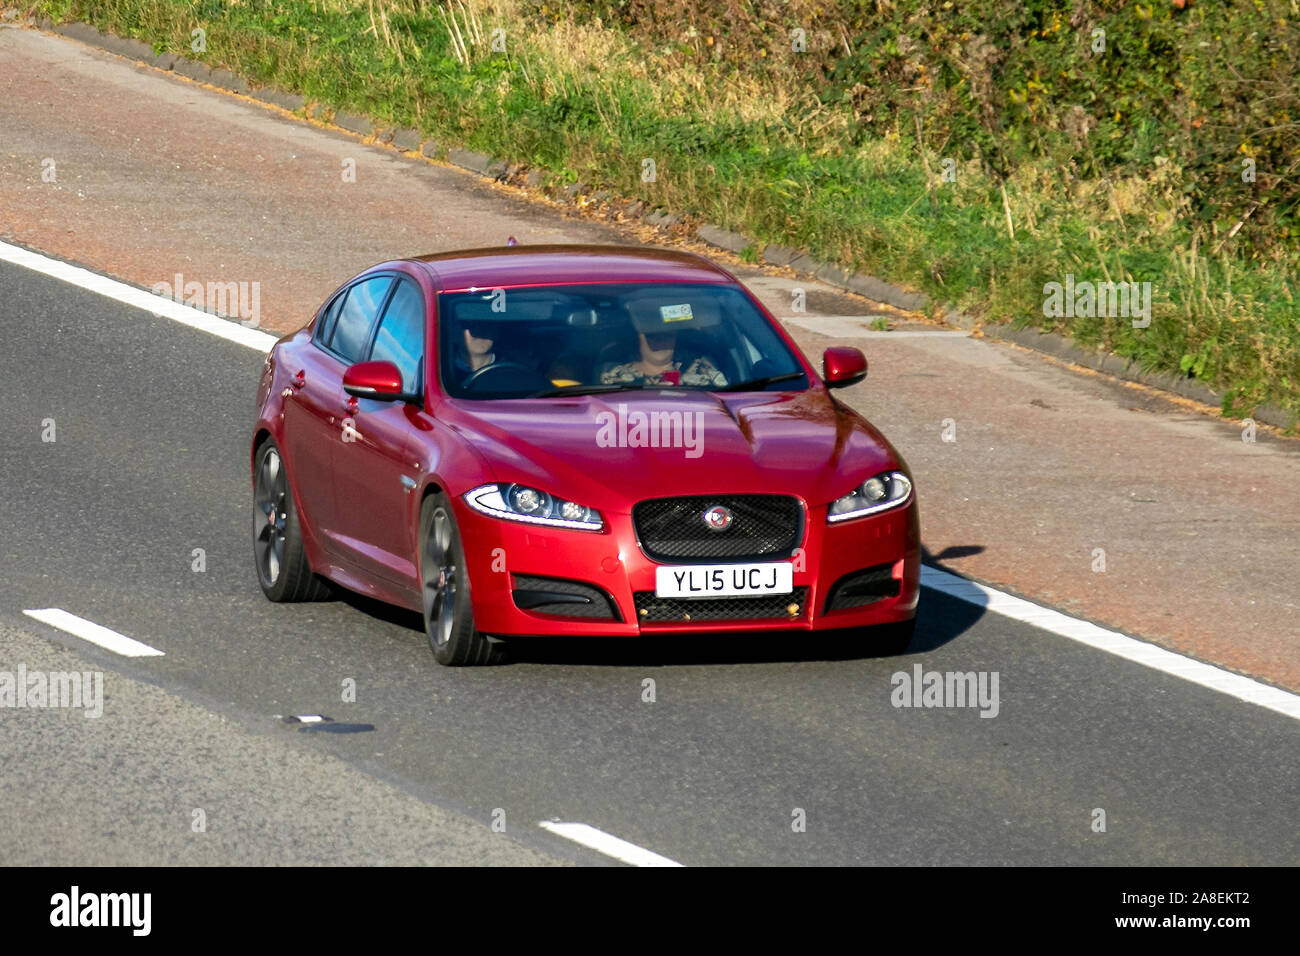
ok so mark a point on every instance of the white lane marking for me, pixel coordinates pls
(139, 298)
(607, 843)
(90, 631)
(1113, 642)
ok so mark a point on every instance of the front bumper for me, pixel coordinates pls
(509, 565)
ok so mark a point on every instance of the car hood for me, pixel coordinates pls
(600, 450)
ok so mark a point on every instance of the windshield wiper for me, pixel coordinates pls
(757, 383)
(592, 389)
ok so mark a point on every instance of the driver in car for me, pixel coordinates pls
(475, 351)
(656, 326)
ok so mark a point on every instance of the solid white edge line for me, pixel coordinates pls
(94, 633)
(1113, 642)
(138, 298)
(607, 844)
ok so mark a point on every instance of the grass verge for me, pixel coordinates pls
(974, 183)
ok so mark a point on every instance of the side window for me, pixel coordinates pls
(325, 328)
(351, 331)
(400, 339)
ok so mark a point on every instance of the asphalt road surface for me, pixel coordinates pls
(744, 740)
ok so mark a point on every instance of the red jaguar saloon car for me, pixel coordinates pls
(576, 440)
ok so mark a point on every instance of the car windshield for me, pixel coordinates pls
(584, 339)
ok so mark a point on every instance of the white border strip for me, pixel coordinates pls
(1113, 642)
(607, 843)
(90, 631)
(140, 299)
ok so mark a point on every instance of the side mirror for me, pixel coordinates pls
(378, 380)
(843, 366)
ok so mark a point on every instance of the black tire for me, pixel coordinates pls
(278, 554)
(445, 592)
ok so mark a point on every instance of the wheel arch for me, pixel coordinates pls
(432, 487)
(259, 439)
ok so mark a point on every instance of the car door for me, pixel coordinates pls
(310, 429)
(374, 470)
(342, 339)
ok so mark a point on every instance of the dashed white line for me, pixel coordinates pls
(94, 633)
(607, 844)
(1113, 642)
(138, 298)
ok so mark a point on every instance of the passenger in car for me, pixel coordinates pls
(656, 365)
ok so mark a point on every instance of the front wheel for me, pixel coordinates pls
(444, 587)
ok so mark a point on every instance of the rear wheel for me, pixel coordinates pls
(444, 586)
(282, 567)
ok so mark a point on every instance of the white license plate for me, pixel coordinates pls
(724, 580)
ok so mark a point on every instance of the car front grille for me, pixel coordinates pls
(762, 527)
(657, 610)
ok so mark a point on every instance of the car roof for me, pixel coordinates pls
(506, 266)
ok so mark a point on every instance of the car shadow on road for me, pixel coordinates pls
(380, 610)
(940, 617)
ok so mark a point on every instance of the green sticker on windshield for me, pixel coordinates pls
(675, 313)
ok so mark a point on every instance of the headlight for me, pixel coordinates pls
(522, 503)
(886, 490)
